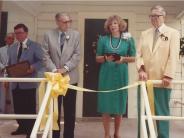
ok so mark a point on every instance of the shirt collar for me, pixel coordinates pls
(160, 28)
(60, 35)
(24, 43)
(66, 34)
(60, 32)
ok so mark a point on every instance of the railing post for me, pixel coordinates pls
(148, 111)
(51, 114)
(143, 133)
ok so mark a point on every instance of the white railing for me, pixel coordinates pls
(47, 132)
(145, 108)
(39, 116)
(146, 112)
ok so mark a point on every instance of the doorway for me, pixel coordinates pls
(93, 28)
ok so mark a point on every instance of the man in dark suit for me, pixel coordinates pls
(62, 51)
(24, 94)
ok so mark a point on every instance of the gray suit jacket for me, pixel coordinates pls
(70, 55)
(34, 54)
(3, 58)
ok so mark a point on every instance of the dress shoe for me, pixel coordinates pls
(18, 132)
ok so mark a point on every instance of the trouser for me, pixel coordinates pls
(69, 105)
(161, 102)
(2, 98)
(24, 101)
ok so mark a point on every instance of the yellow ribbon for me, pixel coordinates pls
(149, 85)
(89, 90)
(60, 84)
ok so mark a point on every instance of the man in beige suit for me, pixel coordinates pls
(62, 51)
(157, 54)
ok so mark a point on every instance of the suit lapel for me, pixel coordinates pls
(150, 38)
(16, 51)
(56, 36)
(66, 41)
(157, 44)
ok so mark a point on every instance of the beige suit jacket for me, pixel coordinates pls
(162, 60)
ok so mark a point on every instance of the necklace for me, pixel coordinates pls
(117, 46)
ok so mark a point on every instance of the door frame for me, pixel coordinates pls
(81, 25)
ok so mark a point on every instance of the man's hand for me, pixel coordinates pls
(143, 75)
(62, 71)
(31, 70)
(166, 81)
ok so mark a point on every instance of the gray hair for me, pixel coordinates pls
(60, 14)
(10, 34)
(160, 9)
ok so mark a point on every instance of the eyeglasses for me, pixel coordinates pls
(155, 16)
(17, 33)
(65, 22)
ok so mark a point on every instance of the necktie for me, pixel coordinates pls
(62, 40)
(155, 38)
(19, 51)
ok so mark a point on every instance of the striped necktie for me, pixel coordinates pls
(155, 38)
(62, 41)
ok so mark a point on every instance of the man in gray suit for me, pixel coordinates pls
(62, 51)
(24, 94)
(4, 87)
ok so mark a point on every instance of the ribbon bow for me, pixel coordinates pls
(59, 85)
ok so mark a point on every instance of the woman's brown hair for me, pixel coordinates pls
(122, 23)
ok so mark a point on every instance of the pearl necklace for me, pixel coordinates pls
(114, 47)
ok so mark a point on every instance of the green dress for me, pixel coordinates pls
(113, 75)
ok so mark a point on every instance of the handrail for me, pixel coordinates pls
(145, 108)
(173, 81)
(166, 118)
(22, 79)
(18, 116)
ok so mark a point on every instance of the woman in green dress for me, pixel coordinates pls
(114, 52)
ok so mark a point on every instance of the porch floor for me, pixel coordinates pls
(92, 128)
